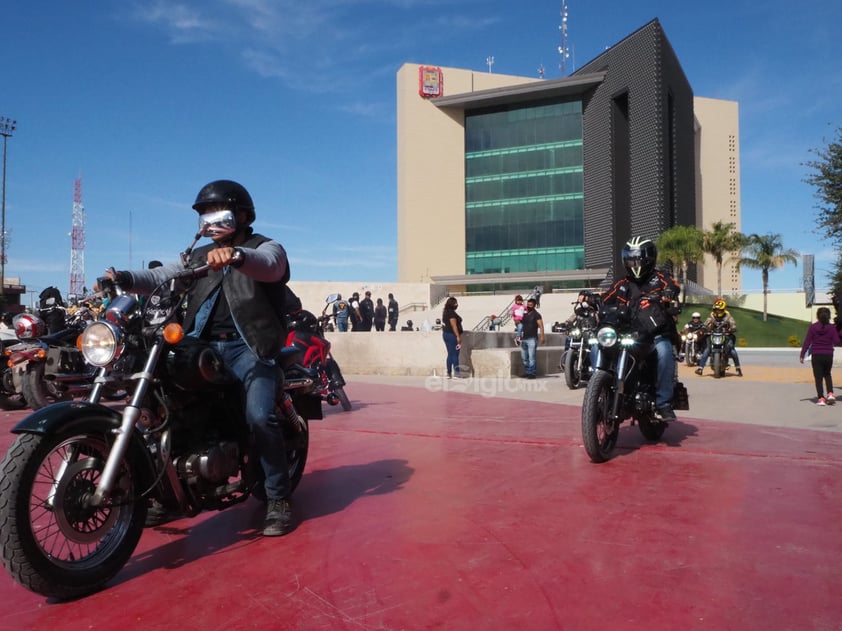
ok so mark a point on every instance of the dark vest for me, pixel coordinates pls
(256, 307)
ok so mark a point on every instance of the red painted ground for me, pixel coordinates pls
(437, 510)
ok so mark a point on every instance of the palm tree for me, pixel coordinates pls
(681, 245)
(721, 239)
(766, 252)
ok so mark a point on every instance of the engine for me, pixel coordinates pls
(211, 467)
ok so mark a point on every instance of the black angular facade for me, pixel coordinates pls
(639, 153)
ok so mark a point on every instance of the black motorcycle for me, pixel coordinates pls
(720, 349)
(79, 477)
(576, 359)
(623, 386)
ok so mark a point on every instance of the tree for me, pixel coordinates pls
(766, 252)
(682, 246)
(722, 239)
(826, 176)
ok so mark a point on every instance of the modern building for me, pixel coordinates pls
(507, 181)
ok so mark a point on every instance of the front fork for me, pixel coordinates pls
(131, 414)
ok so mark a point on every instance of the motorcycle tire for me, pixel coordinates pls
(37, 391)
(599, 432)
(690, 356)
(337, 383)
(571, 370)
(716, 364)
(650, 428)
(53, 542)
(10, 398)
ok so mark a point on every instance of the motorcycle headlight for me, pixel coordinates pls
(607, 336)
(717, 338)
(575, 332)
(691, 336)
(102, 343)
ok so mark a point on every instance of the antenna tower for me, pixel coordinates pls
(563, 50)
(77, 242)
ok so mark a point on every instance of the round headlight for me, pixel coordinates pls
(102, 343)
(575, 332)
(607, 336)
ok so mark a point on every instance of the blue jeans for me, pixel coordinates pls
(665, 380)
(452, 353)
(730, 351)
(260, 383)
(342, 324)
(528, 349)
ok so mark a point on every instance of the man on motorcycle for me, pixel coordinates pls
(238, 307)
(694, 326)
(648, 295)
(719, 316)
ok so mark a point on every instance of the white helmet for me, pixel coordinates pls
(696, 314)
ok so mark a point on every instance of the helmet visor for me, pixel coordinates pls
(217, 223)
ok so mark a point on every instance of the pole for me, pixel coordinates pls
(7, 128)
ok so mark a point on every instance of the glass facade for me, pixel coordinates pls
(524, 188)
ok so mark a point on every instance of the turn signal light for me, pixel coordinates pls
(173, 333)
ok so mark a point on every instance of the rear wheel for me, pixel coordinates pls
(54, 541)
(651, 429)
(599, 431)
(571, 369)
(10, 398)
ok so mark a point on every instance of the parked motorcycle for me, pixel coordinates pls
(306, 332)
(78, 478)
(622, 386)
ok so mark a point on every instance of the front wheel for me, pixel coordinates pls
(572, 377)
(599, 431)
(716, 364)
(690, 354)
(337, 383)
(54, 541)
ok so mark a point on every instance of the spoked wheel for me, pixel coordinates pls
(599, 432)
(54, 541)
(571, 369)
(652, 429)
(690, 355)
(39, 392)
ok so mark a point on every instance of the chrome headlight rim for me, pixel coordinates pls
(102, 343)
(607, 336)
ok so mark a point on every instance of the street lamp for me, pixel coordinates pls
(7, 128)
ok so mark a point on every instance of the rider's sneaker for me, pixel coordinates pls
(665, 413)
(821, 401)
(699, 371)
(739, 371)
(278, 518)
(830, 398)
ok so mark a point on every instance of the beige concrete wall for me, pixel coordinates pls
(718, 180)
(431, 173)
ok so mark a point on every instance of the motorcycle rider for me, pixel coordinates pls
(720, 316)
(238, 307)
(648, 294)
(694, 326)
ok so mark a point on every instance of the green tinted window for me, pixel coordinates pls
(524, 188)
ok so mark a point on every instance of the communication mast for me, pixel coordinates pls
(77, 243)
(563, 50)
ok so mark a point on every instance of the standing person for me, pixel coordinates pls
(533, 331)
(356, 316)
(341, 313)
(517, 316)
(649, 292)
(393, 313)
(366, 312)
(238, 308)
(821, 337)
(380, 316)
(452, 335)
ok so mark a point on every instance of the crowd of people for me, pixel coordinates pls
(357, 314)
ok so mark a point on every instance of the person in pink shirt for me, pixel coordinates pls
(518, 309)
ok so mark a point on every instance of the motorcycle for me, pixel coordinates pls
(576, 359)
(720, 351)
(622, 386)
(691, 342)
(79, 477)
(306, 332)
(11, 377)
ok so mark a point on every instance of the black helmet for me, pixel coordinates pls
(228, 193)
(639, 257)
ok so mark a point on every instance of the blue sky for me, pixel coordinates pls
(147, 100)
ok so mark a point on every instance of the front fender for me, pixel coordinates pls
(66, 415)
